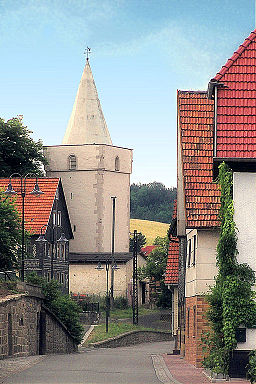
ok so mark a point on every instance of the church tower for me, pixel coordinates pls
(92, 171)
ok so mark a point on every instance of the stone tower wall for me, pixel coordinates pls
(88, 191)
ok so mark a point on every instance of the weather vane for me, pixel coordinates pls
(87, 52)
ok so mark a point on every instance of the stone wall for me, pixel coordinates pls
(57, 337)
(133, 337)
(28, 328)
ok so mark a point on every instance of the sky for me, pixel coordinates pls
(142, 52)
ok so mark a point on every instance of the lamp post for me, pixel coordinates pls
(36, 192)
(114, 267)
(135, 279)
(113, 198)
(62, 240)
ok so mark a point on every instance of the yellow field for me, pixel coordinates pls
(151, 229)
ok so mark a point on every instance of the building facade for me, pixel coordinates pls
(215, 126)
(93, 172)
(45, 215)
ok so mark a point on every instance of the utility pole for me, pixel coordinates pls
(135, 279)
(113, 251)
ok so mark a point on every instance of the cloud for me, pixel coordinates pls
(185, 50)
(70, 20)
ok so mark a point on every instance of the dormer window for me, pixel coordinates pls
(72, 162)
(117, 164)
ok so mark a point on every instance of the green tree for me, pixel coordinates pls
(152, 201)
(10, 234)
(18, 151)
(157, 259)
(141, 241)
(155, 269)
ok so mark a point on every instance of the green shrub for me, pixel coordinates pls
(68, 312)
(34, 278)
(121, 302)
(251, 367)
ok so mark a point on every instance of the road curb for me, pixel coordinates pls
(162, 372)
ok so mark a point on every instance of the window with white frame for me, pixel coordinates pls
(194, 250)
(54, 218)
(59, 219)
(189, 252)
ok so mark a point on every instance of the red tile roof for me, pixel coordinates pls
(37, 208)
(202, 195)
(236, 119)
(172, 267)
(148, 249)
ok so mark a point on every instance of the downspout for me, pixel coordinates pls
(215, 120)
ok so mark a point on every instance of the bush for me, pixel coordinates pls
(121, 302)
(164, 298)
(252, 367)
(68, 312)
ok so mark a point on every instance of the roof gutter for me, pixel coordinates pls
(212, 94)
(215, 121)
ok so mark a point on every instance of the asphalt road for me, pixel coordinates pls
(128, 365)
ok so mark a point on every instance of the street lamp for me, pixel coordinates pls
(114, 267)
(62, 240)
(36, 192)
(113, 198)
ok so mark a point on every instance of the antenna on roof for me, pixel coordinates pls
(87, 52)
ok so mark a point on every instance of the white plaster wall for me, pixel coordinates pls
(85, 279)
(244, 194)
(244, 190)
(250, 343)
(92, 184)
(200, 276)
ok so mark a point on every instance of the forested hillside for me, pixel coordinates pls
(152, 201)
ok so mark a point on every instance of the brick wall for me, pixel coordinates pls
(21, 328)
(196, 324)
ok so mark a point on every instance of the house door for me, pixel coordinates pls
(42, 333)
(10, 342)
(238, 363)
(143, 293)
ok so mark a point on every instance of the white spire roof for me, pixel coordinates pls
(87, 124)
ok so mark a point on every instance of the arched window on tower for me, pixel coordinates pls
(117, 164)
(72, 163)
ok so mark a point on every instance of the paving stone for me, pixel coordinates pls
(15, 365)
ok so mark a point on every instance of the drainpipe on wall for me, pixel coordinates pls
(215, 120)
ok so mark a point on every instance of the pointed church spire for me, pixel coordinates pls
(87, 124)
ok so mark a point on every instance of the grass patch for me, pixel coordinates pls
(114, 329)
(151, 229)
(127, 313)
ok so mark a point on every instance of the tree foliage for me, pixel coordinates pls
(152, 201)
(18, 151)
(10, 234)
(232, 298)
(141, 241)
(155, 269)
